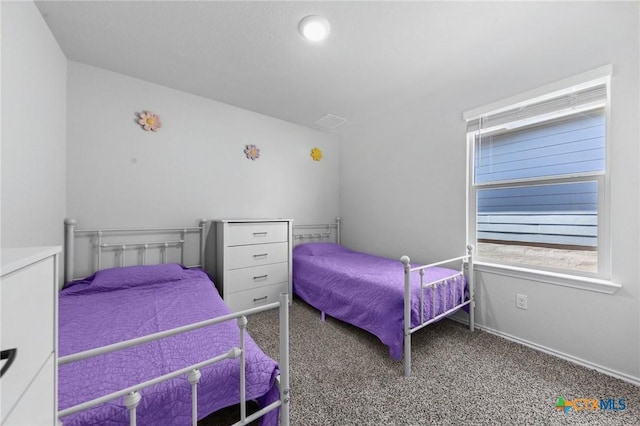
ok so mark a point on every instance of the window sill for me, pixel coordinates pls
(565, 280)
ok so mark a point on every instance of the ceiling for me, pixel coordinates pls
(379, 55)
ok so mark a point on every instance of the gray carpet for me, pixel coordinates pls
(341, 375)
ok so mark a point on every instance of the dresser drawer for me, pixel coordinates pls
(241, 233)
(260, 276)
(256, 255)
(27, 324)
(256, 297)
(36, 405)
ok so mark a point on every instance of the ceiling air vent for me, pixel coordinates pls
(330, 121)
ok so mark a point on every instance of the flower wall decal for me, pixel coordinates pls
(149, 121)
(316, 154)
(252, 152)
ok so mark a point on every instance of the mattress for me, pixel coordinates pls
(368, 291)
(123, 303)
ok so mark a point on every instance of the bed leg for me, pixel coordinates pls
(322, 317)
(471, 316)
(284, 359)
(407, 314)
(472, 290)
(194, 378)
(242, 326)
(131, 401)
(407, 355)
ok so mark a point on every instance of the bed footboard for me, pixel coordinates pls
(132, 395)
(434, 285)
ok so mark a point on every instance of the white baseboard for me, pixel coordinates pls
(604, 370)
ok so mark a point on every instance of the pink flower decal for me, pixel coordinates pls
(149, 121)
(252, 152)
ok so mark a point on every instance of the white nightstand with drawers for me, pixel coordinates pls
(253, 261)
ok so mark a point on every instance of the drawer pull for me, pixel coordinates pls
(260, 255)
(258, 299)
(261, 277)
(260, 234)
(10, 356)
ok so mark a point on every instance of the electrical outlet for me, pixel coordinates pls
(521, 301)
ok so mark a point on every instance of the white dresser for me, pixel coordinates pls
(29, 300)
(253, 261)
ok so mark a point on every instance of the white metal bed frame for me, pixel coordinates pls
(317, 233)
(99, 246)
(323, 233)
(132, 394)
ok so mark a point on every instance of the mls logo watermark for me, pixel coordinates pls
(591, 404)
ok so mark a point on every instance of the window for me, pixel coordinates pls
(538, 179)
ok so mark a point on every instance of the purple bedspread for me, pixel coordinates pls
(123, 303)
(368, 291)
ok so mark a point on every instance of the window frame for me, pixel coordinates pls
(596, 281)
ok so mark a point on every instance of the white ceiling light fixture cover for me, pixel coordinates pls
(314, 28)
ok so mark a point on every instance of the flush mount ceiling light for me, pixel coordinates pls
(314, 28)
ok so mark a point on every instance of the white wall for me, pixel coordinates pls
(194, 166)
(34, 124)
(403, 180)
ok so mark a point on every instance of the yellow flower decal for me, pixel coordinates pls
(316, 154)
(149, 121)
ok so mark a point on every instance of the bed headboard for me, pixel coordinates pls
(323, 232)
(96, 249)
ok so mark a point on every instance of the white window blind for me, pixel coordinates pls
(560, 146)
(565, 104)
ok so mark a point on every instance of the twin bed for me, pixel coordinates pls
(389, 298)
(158, 344)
